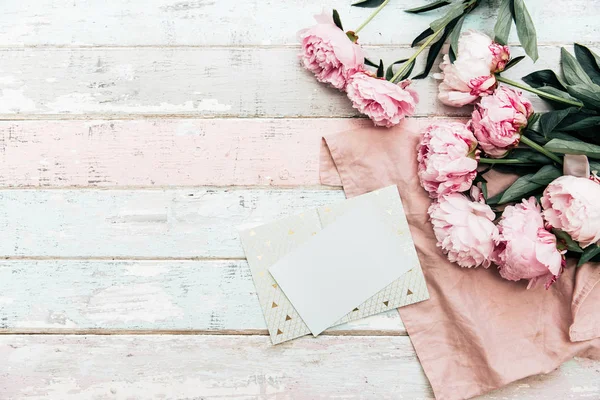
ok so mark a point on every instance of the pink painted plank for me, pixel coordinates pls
(164, 152)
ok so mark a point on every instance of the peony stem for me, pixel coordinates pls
(371, 16)
(406, 65)
(539, 92)
(500, 161)
(414, 56)
(526, 141)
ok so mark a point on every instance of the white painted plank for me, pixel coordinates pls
(254, 22)
(178, 223)
(242, 367)
(71, 295)
(198, 82)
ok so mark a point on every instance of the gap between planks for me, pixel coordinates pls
(125, 83)
(231, 188)
(192, 332)
(117, 258)
(133, 116)
(512, 45)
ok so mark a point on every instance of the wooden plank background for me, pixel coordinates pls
(135, 137)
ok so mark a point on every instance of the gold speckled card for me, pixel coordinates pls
(266, 244)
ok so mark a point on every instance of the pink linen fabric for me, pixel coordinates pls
(478, 332)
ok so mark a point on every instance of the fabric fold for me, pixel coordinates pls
(477, 332)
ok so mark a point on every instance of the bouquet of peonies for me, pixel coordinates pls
(553, 209)
(335, 57)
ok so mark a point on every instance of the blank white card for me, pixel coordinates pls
(343, 265)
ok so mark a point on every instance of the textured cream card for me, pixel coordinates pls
(266, 244)
(343, 265)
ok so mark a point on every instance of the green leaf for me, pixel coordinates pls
(589, 94)
(573, 147)
(380, 69)
(455, 35)
(422, 36)
(550, 120)
(544, 77)
(428, 7)
(367, 3)
(389, 72)
(480, 179)
(572, 71)
(513, 62)
(581, 124)
(589, 61)
(588, 254)
(370, 63)
(545, 175)
(504, 22)
(336, 19)
(455, 11)
(528, 156)
(435, 49)
(451, 55)
(567, 240)
(527, 185)
(519, 189)
(484, 190)
(525, 29)
(563, 136)
(556, 92)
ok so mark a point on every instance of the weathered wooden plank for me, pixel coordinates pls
(180, 223)
(196, 82)
(165, 152)
(253, 22)
(242, 367)
(72, 295)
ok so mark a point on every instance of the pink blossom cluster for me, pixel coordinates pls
(335, 59)
(521, 242)
(471, 76)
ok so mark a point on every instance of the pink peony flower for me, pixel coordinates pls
(498, 119)
(464, 81)
(572, 204)
(328, 53)
(464, 230)
(447, 157)
(384, 102)
(526, 250)
(476, 45)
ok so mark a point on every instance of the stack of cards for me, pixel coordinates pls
(334, 264)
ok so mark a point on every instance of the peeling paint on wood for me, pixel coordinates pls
(172, 152)
(254, 22)
(241, 367)
(177, 223)
(185, 81)
(141, 295)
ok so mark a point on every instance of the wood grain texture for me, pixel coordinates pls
(181, 223)
(165, 152)
(242, 367)
(74, 296)
(193, 82)
(254, 22)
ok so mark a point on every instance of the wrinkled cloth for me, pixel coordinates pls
(477, 332)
